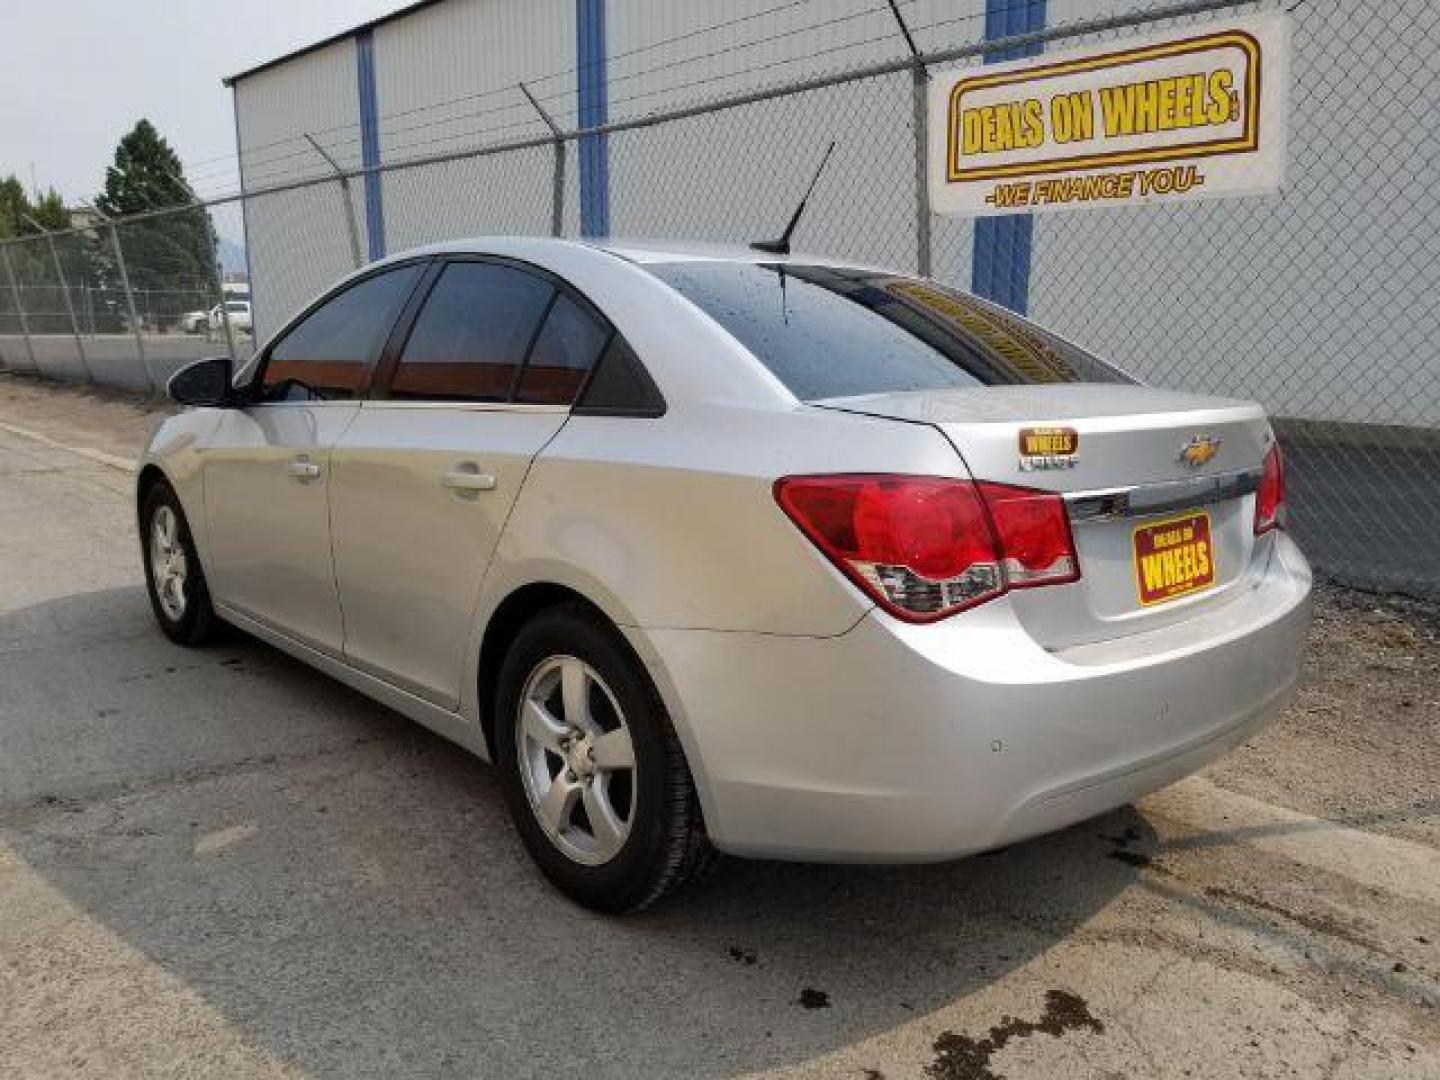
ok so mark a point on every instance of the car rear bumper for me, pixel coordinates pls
(894, 743)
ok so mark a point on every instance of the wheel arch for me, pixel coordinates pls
(513, 612)
(527, 601)
(150, 474)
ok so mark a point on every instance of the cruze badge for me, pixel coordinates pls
(1198, 450)
(1048, 448)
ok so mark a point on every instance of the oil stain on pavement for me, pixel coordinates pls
(961, 1057)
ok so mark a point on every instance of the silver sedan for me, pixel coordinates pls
(726, 550)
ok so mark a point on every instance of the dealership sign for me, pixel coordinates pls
(1197, 113)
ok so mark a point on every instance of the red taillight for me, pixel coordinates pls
(926, 547)
(1270, 498)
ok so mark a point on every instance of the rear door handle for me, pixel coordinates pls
(303, 470)
(468, 478)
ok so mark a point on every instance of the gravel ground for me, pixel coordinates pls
(220, 862)
(1361, 742)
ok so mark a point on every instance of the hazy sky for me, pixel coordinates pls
(77, 74)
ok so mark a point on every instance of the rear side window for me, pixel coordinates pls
(620, 386)
(564, 352)
(329, 352)
(837, 332)
(471, 337)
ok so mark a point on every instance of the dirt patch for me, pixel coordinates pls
(102, 418)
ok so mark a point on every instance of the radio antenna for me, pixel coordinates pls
(782, 245)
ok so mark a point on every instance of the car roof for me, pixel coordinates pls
(642, 252)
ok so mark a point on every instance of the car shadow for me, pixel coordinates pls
(344, 888)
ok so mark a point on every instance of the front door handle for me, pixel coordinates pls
(303, 470)
(468, 478)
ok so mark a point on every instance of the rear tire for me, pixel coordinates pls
(179, 595)
(594, 776)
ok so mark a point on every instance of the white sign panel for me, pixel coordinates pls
(1198, 113)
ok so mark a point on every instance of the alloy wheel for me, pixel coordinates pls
(168, 564)
(577, 760)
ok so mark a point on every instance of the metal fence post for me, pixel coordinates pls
(19, 307)
(64, 292)
(220, 279)
(557, 194)
(130, 304)
(355, 253)
(920, 104)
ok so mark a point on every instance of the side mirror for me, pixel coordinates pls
(204, 384)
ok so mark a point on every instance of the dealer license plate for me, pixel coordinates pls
(1174, 557)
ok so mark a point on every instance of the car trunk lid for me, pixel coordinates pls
(1159, 487)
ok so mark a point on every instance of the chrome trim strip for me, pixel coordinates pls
(460, 405)
(1145, 499)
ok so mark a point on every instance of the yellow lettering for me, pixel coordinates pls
(1147, 107)
(1117, 110)
(1219, 100)
(1178, 101)
(970, 121)
(1152, 570)
(1034, 123)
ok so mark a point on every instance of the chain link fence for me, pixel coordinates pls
(1321, 302)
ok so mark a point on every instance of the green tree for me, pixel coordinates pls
(16, 205)
(34, 266)
(13, 203)
(171, 256)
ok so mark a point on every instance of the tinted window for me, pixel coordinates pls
(472, 334)
(330, 351)
(563, 354)
(827, 332)
(621, 385)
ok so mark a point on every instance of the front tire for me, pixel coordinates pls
(179, 595)
(594, 775)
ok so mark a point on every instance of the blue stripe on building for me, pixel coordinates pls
(593, 111)
(1000, 270)
(370, 143)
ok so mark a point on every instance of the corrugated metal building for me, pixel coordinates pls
(443, 75)
(1226, 296)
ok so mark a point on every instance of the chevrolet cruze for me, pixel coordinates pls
(730, 550)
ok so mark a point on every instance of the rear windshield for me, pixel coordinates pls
(836, 332)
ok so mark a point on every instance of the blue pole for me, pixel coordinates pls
(593, 110)
(1000, 269)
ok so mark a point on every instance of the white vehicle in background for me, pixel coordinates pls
(236, 312)
(194, 322)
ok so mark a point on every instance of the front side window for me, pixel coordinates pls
(329, 353)
(829, 332)
(471, 337)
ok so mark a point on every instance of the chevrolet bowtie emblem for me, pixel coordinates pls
(1198, 450)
